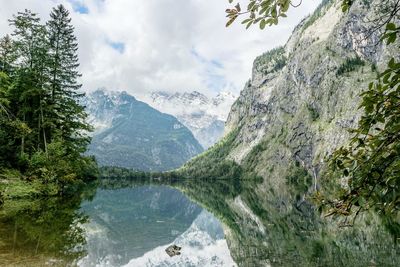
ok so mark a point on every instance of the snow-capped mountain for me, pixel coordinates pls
(102, 107)
(131, 134)
(203, 115)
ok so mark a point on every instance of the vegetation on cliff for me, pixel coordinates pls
(371, 161)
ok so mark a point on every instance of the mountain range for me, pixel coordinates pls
(129, 133)
(204, 116)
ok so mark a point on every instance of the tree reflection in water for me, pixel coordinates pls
(43, 231)
(261, 232)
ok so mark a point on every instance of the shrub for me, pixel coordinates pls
(350, 64)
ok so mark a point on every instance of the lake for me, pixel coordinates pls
(216, 223)
(114, 227)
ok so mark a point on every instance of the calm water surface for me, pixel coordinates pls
(134, 226)
(114, 227)
(125, 222)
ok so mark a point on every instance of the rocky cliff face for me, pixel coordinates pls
(294, 111)
(303, 97)
(203, 115)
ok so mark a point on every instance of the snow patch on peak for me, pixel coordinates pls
(101, 106)
(204, 116)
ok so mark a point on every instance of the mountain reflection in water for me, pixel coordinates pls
(133, 226)
(124, 222)
(117, 226)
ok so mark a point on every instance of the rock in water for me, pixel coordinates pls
(173, 250)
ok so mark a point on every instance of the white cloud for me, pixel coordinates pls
(171, 45)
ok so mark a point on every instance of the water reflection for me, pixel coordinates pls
(42, 232)
(126, 223)
(203, 244)
(264, 229)
(131, 222)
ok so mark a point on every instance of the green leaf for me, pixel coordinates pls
(391, 26)
(391, 38)
(392, 64)
(246, 21)
(362, 201)
(249, 24)
(262, 24)
(376, 175)
(231, 21)
(251, 5)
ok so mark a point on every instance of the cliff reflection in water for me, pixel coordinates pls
(259, 232)
(262, 233)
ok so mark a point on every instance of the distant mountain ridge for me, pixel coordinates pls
(131, 134)
(204, 116)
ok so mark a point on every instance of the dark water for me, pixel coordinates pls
(217, 223)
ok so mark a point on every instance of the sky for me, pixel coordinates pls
(141, 46)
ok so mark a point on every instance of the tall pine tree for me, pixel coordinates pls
(68, 115)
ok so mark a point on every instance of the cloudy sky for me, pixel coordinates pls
(172, 45)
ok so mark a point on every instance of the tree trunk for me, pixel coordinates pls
(23, 139)
(43, 129)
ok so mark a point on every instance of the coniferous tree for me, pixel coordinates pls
(6, 54)
(6, 131)
(43, 132)
(29, 91)
(68, 115)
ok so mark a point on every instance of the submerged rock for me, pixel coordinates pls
(173, 250)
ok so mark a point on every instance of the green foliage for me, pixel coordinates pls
(60, 167)
(213, 163)
(7, 57)
(349, 65)
(314, 114)
(319, 12)
(373, 67)
(299, 180)
(346, 5)
(42, 125)
(268, 12)
(271, 61)
(371, 161)
(118, 173)
(67, 116)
